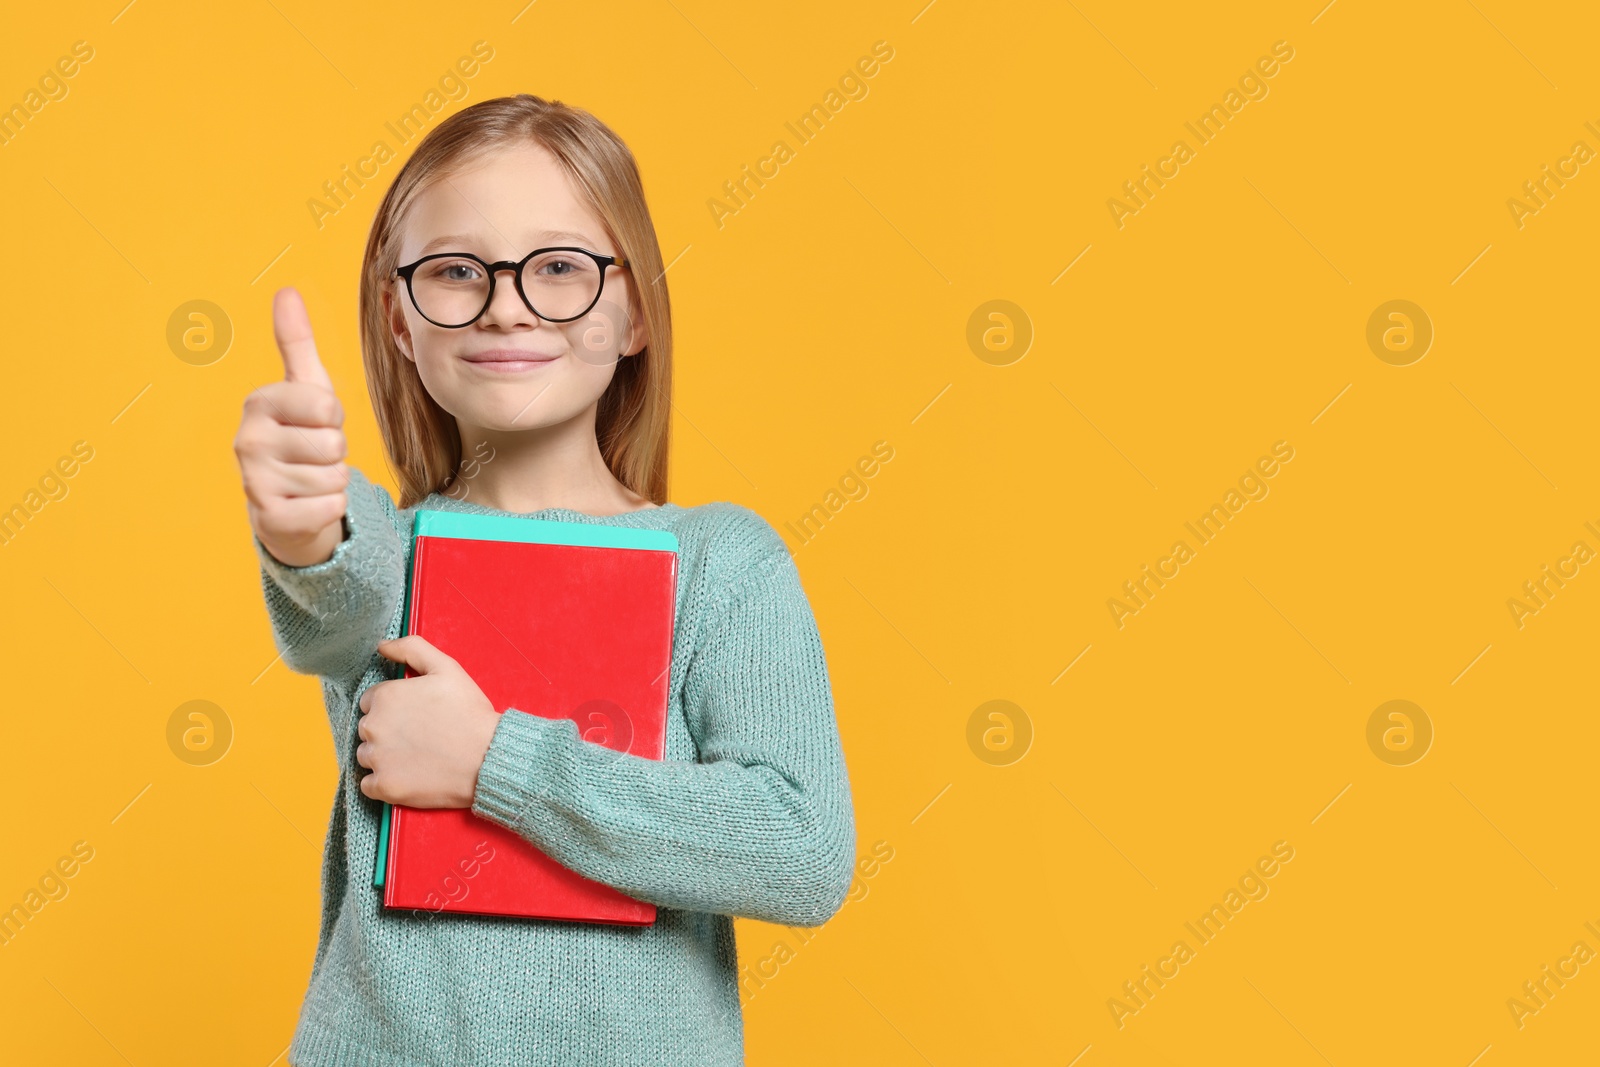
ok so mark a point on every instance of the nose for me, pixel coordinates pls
(506, 306)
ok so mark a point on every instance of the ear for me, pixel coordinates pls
(393, 312)
(638, 329)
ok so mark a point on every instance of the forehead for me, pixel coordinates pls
(502, 206)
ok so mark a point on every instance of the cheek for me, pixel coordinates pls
(600, 337)
(441, 380)
(581, 383)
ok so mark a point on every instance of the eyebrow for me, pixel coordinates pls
(457, 240)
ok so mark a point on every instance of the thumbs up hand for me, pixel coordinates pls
(291, 447)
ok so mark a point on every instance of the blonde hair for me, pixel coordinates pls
(632, 420)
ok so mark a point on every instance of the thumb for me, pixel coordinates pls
(415, 652)
(291, 327)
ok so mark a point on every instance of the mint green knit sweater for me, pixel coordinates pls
(749, 814)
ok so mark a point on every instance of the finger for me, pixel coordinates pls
(322, 445)
(261, 435)
(291, 326)
(296, 404)
(310, 479)
(415, 652)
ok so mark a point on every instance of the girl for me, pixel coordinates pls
(555, 392)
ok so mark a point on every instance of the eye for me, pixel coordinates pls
(454, 270)
(557, 268)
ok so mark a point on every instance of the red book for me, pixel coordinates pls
(560, 619)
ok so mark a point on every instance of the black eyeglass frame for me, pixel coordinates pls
(492, 269)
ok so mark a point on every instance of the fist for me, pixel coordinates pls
(291, 447)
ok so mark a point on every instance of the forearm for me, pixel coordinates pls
(761, 826)
(327, 618)
(762, 841)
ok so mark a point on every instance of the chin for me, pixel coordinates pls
(514, 412)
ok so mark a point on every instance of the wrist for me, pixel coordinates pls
(483, 740)
(319, 549)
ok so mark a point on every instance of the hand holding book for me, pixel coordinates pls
(424, 737)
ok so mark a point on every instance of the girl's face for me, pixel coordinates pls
(512, 370)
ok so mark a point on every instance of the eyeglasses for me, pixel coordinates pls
(454, 289)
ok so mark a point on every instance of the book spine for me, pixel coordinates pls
(388, 839)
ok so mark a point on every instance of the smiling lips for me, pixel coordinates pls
(508, 360)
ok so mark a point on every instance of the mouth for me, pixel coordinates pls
(509, 360)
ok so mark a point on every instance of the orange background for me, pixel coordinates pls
(844, 304)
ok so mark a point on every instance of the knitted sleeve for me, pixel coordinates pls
(328, 618)
(760, 827)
